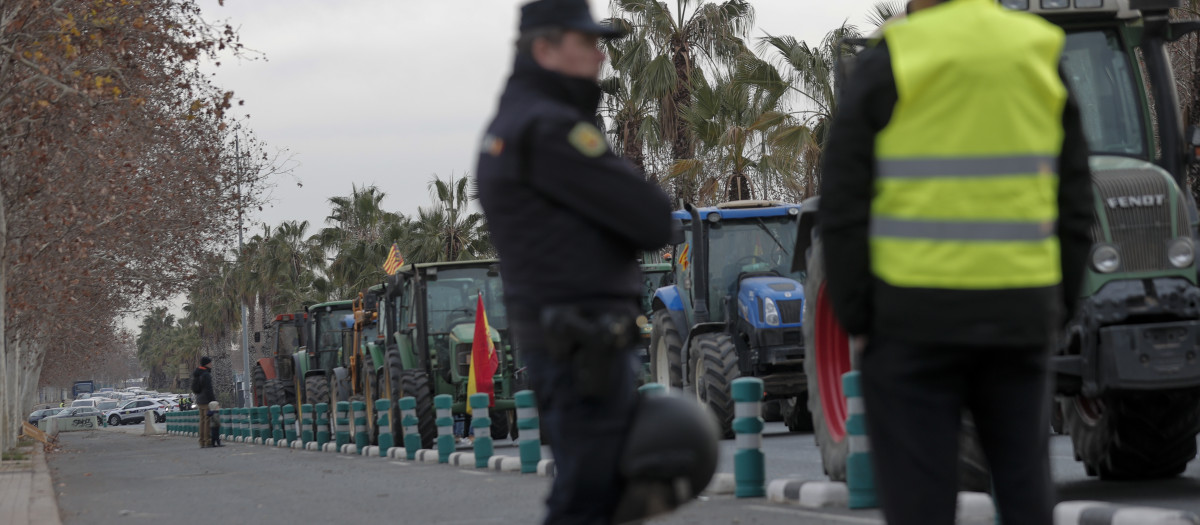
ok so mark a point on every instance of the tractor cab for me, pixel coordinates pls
(331, 333)
(273, 379)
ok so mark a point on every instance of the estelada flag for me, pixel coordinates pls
(484, 359)
(394, 261)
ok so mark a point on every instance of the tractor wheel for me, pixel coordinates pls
(316, 390)
(416, 383)
(370, 394)
(258, 382)
(273, 393)
(501, 423)
(666, 364)
(772, 411)
(390, 380)
(716, 368)
(827, 357)
(795, 414)
(1135, 435)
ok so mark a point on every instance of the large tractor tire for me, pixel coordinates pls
(501, 423)
(273, 393)
(369, 395)
(416, 383)
(795, 414)
(389, 381)
(827, 357)
(258, 383)
(1130, 435)
(772, 411)
(316, 390)
(716, 368)
(666, 363)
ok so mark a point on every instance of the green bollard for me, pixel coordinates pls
(529, 428)
(256, 420)
(276, 412)
(445, 426)
(409, 423)
(306, 424)
(343, 424)
(361, 438)
(481, 424)
(289, 423)
(322, 425)
(749, 464)
(383, 407)
(860, 480)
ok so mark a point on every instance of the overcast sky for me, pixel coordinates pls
(390, 92)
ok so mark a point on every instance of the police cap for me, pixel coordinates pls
(567, 14)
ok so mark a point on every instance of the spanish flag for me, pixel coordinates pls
(484, 359)
(394, 261)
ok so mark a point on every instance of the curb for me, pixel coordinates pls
(809, 494)
(546, 468)
(43, 506)
(504, 463)
(1101, 513)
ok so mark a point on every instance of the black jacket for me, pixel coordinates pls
(567, 216)
(866, 305)
(202, 387)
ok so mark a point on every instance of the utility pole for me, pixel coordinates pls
(245, 312)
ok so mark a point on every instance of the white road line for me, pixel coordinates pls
(401, 463)
(811, 514)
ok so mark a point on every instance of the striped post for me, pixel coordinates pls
(361, 438)
(383, 407)
(749, 464)
(529, 429)
(225, 424)
(409, 424)
(191, 422)
(860, 480)
(239, 420)
(256, 420)
(264, 423)
(276, 423)
(322, 425)
(481, 424)
(342, 420)
(306, 424)
(445, 426)
(289, 423)
(650, 389)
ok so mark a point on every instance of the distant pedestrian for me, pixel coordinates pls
(214, 423)
(955, 212)
(202, 387)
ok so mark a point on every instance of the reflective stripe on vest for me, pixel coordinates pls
(966, 185)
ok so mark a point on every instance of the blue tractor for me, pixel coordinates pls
(735, 309)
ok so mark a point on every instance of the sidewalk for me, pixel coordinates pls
(26, 491)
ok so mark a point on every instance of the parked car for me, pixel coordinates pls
(73, 412)
(89, 402)
(37, 415)
(135, 411)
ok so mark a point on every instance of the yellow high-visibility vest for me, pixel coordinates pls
(966, 187)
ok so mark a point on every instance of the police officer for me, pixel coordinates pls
(955, 215)
(569, 219)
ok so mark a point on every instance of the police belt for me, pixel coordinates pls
(592, 337)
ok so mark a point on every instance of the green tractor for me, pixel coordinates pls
(273, 379)
(1127, 374)
(429, 312)
(331, 330)
(654, 276)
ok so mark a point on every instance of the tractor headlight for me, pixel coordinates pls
(1181, 252)
(1105, 259)
(770, 312)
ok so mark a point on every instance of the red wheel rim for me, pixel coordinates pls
(833, 360)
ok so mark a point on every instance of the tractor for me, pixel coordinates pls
(331, 332)
(654, 276)
(273, 379)
(1127, 381)
(735, 308)
(429, 313)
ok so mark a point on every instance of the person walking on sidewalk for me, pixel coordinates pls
(202, 387)
(955, 213)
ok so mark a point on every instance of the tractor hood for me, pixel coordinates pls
(465, 333)
(786, 294)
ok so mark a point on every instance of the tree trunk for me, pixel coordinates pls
(630, 130)
(681, 98)
(1193, 115)
(7, 433)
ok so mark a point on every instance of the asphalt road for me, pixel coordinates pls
(117, 476)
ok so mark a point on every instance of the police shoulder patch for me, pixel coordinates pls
(587, 139)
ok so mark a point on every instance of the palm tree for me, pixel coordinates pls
(448, 230)
(291, 261)
(359, 237)
(695, 28)
(629, 99)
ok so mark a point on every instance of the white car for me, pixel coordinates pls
(135, 411)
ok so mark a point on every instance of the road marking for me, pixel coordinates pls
(475, 472)
(811, 514)
(401, 463)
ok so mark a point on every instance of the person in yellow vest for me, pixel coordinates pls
(955, 214)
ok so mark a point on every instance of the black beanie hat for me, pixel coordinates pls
(204, 361)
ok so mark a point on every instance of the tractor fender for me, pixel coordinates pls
(377, 356)
(807, 231)
(268, 366)
(685, 352)
(668, 297)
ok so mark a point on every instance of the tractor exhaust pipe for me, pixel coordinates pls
(699, 266)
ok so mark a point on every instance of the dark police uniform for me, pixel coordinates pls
(923, 153)
(569, 219)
